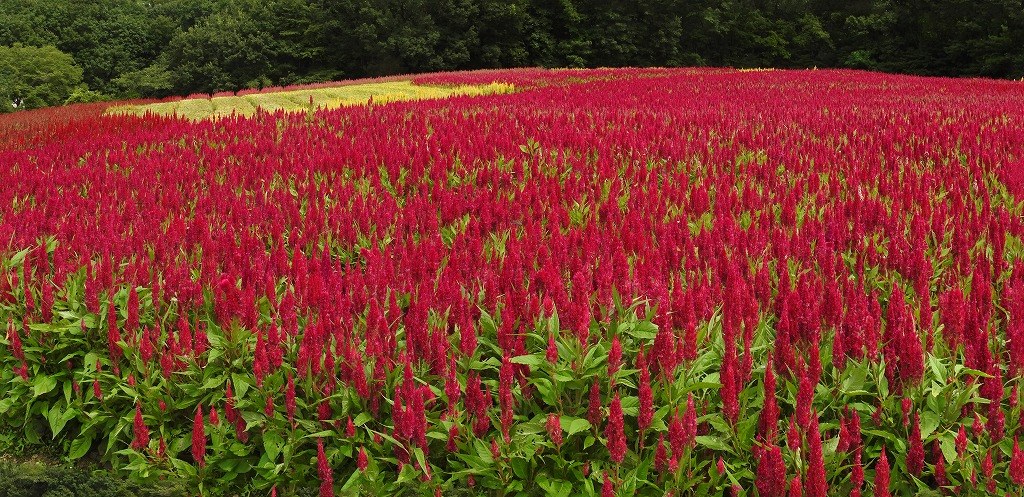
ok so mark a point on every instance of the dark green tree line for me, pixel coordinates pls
(135, 48)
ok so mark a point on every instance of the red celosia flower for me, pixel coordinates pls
(607, 487)
(646, 398)
(730, 387)
(268, 407)
(771, 473)
(978, 427)
(987, 468)
(199, 438)
(289, 400)
(1017, 463)
(324, 470)
(940, 472)
(768, 420)
(453, 434)
(614, 357)
(915, 454)
(844, 436)
(140, 430)
(361, 461)
(795, 490)
(614, 432)
(793, 440)
(816, 485)
(804, 398)
(857, 473)
(690, 422)
(853, 428)
(554, 427)
(594, 406)
(12, 335)
(996, 420)
(676, 435)
(660, 456)
(882, 476)
(961, 441)
(552, 352)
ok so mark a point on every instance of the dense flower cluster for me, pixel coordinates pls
(695, 281)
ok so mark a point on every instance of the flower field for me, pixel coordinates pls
(609, 282)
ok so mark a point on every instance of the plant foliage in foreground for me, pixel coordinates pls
(614, 282)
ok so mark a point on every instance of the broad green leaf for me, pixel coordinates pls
(362, 419)
(531, 360)
(929, 422)
(80, 447)
(272, 443)
(43, 384)
(240, 385)
(714, 443)
(577, 425)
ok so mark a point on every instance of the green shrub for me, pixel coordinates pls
(44, 480)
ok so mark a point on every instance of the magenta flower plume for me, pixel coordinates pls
(614, 432)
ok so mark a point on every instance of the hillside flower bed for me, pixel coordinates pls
(613, 282)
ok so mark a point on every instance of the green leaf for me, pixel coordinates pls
(43, 384)
(18, 258)
(948, 446)
(421, 458)
(320, 434)
(351, 480)
(484, 452)
(80, 447)
(272, 443)
(937, 368)
(519, 467)
(855, 381)
(213, 383)
(240, 385)
(362, 419)
(90, 361)
(644, 330)
(564, 489)
(531, 360)
(487, 324)
(630, 405)
(714, 443)
(54, 416)
(577, 425)
(929, 422)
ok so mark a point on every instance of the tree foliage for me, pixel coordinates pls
(33, 77)
(131, 48)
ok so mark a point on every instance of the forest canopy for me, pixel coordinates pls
(133, 48)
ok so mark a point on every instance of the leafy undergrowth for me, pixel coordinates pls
(616, 282)
(44, 479)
